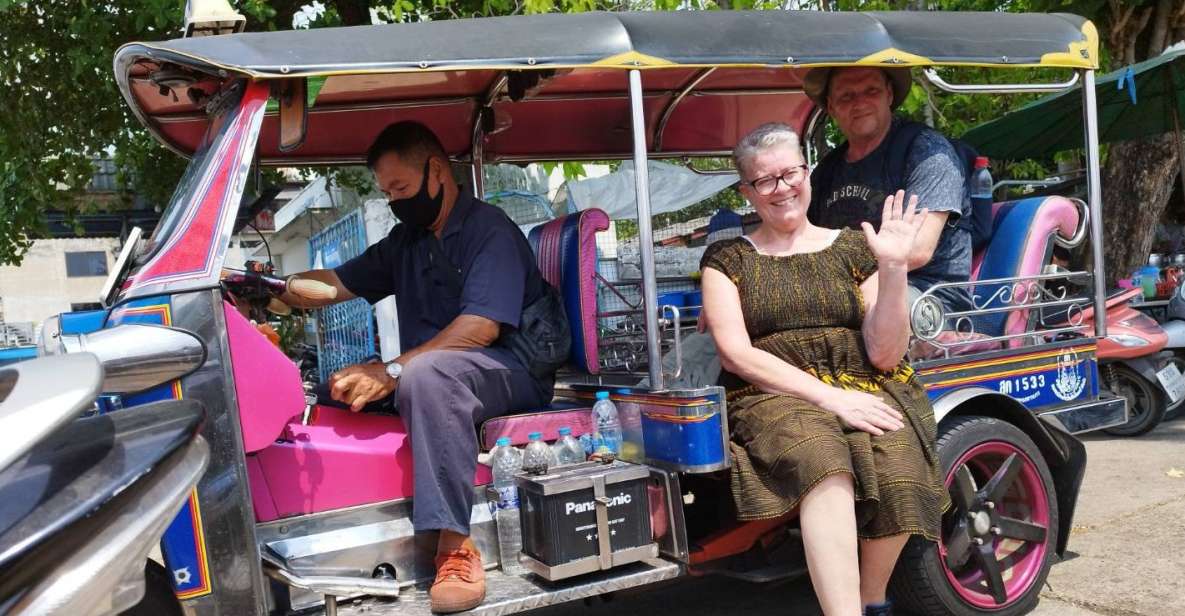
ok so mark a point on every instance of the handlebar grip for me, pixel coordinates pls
(311, 289)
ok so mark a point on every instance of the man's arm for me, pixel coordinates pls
(934, 173)
(363, 383)
(927, 240)
(325, 276)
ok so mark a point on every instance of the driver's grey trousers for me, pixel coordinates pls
(442, 396)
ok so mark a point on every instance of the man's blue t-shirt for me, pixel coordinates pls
(934, 172)
(498, 272)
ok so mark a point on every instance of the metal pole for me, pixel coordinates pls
(645, 233)
(1094, 188)
(476, 154)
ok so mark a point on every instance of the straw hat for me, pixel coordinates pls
(817, 79)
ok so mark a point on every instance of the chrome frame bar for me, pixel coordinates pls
(1018, 88)
(1094, 189)
(670, 108)
(645, 245)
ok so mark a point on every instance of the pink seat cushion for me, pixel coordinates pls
(341, 460)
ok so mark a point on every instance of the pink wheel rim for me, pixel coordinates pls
(1000, 501)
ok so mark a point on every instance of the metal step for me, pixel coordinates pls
(507, 594)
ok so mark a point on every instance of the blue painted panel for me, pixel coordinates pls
(83, 322)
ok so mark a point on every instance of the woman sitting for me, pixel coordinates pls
(826, 417)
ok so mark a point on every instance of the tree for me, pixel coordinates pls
(62, 107)
(1139, 175)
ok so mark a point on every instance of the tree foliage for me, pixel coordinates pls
(63, 108)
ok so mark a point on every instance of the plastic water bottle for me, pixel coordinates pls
(633, 447)
(506, 461)
(981, 202)
(537, 457)
(606, 425)
(567, 449)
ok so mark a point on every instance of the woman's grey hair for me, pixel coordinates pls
(760, 139)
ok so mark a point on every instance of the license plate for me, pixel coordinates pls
(1172, 381)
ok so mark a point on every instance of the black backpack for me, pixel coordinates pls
(978, 223)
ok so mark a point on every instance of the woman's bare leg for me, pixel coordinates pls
(877, 558)
(828, 518)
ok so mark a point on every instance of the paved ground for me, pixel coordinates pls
(1127, 548)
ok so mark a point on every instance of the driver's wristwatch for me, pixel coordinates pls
(394, 369)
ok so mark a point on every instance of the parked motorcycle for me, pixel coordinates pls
(1174, 328)
(84, 501)
(1133, 364)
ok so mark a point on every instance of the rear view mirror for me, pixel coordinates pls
(292, 95)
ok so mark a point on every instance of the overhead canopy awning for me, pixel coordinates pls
(1133, 102)
(557, 83)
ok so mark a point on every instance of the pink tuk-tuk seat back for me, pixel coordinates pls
(566, 251)
(1022, 240)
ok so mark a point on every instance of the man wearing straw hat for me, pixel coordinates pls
(884, 154)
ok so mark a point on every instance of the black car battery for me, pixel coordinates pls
(585, 517)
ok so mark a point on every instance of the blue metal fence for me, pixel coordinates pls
(346, 330)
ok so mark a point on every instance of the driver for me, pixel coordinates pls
(462, 274)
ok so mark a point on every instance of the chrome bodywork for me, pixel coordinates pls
(139, 357)
(1106, 412)
(40, 395)
(506, 594)
(353, 542)
(106, 574)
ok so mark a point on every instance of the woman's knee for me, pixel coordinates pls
(834, 490)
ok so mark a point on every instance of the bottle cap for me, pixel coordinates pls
(602, 395)
(982, 162)
(565, 431)
(623, 392)
(503, 441)
(535, 436)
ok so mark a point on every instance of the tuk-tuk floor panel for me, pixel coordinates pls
(510, 594)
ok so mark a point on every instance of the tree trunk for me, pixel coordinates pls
(1137, 183)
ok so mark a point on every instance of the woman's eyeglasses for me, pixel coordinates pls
(766, 186)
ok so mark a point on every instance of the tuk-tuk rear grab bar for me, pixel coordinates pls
(998, 88)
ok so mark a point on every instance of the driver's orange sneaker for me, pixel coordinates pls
(460, 581)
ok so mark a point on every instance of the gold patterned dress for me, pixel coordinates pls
(807, 310)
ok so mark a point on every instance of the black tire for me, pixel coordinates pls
(920, 582)
(1145, 400)
(159, 599)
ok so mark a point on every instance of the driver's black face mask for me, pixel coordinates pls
(419, 210)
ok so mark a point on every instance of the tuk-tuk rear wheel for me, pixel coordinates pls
(1003, 519)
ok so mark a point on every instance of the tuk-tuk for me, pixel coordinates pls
(280, 523)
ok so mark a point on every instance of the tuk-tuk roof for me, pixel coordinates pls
(706, 63)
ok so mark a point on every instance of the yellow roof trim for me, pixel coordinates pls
(632, 59)
(894, 56)
(1084, 54)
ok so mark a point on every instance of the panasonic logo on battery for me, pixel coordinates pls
(585, 507)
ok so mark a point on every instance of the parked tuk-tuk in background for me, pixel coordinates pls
(280, 524)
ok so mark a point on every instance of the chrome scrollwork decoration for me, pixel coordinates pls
(927, 317)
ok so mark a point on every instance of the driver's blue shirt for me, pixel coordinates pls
(497, 271)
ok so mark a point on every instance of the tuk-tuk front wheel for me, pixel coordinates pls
(1000, 534)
